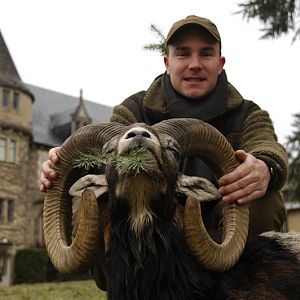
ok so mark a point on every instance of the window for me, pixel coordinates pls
(16, 100)
(2, 149)
(1, 211)
(8, 149)
(7, 208)
(12, 151)
(10, 211)
(5, 98)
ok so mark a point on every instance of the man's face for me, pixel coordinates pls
(194, 63)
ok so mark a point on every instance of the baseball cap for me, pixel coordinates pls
(192, 19)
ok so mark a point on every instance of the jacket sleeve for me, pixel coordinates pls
(258, 138)
(130, 110)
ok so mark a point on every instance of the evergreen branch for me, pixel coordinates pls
(279, 17)
(157, 31)
(94, 158)
(135, 161)
(160, 45)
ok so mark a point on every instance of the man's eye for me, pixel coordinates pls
(183, 54)
(206, 54)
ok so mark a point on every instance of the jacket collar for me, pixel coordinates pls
(163, 102)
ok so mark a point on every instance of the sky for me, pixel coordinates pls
(97, 46)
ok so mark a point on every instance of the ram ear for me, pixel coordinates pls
(197, 187)
(97, 183)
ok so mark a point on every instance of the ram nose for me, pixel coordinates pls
(137, 133)
(137, 137)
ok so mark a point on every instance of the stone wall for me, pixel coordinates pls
(38, 154)
(13, 187)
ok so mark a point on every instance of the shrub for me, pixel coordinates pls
(31, 265)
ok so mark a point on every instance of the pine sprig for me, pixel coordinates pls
(135, 161)
(94, 158)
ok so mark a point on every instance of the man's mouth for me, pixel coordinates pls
(194, 79)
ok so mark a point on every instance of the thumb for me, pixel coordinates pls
(241, 155)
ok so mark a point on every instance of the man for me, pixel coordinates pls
(195, 86)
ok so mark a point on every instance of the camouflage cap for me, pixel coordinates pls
(203, 22)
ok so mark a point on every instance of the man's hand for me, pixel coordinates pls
(248, 182)
(48, 173)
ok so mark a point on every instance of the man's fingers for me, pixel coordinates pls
(244, 195)
(42, 188)
(243, 170)
(241, 155)
(47, 175)
(47, 170)
(53, 154)
(234, 176)
(45, 184)
(243, 185)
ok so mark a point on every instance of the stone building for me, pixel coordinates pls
(32, 120)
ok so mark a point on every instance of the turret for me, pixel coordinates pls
(15, 98)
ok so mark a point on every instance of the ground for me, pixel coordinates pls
(71, 290)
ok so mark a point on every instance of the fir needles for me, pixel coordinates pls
(94, 158)
(135, 161)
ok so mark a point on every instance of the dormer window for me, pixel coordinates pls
(80, 117)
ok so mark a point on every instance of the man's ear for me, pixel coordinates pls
(221, 64)
(197, 187)
(166, 61)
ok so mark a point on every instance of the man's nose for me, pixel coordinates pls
(195, 63)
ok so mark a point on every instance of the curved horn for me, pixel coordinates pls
(198, 138)
(73, 257)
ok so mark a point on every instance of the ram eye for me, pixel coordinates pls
(174, 152)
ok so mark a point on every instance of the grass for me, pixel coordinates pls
(68, 290)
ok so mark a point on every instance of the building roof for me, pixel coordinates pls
(81, 112)
(53, 109)
(52, 112)
(9, 75)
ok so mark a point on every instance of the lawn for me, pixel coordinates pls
(69, 290)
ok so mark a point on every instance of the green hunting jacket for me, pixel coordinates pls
(243, 123)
